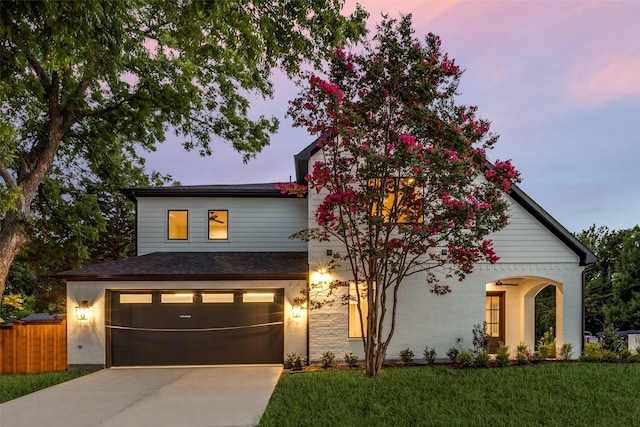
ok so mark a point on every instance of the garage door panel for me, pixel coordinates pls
(197, 333)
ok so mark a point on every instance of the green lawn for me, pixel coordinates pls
(554, 394)
(13, 386)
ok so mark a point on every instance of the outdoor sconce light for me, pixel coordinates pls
(296, 311)
(322, 275)
(83, 311)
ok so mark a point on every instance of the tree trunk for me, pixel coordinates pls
(12, 239)
(374, 357)
(13, 235)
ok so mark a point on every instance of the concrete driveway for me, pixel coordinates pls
(121, 397)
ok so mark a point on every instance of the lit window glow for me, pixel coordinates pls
(177, 226)
(135, 298)
(218, 225)
(178, 298)
(258, 297)
(217, 298)
(355, 330)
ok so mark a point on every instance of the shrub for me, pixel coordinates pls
(465, 358)
(625, 354)
(430, 355)
(592, 353)
(523, 355)
(482, 359)
(535, 357)
(547, 345)
(566, 351)
(351, 360)
(452, 354)
(406, 356)
(480, 338)
(611, 340)
(609, 356)
(328, 359)
(295, 362)
(502, 357)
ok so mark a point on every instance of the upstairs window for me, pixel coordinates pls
(218, 225)
(178, 225)
(402, 196)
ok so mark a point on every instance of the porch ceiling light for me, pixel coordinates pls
(83, 311)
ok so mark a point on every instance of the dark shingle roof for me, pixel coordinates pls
(198, 266)
(43, 317)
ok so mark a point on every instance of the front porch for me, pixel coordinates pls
(510, 312)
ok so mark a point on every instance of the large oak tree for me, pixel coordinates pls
(97, 82)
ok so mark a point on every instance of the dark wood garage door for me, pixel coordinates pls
(195, 327)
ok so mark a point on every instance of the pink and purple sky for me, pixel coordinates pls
(559, 80)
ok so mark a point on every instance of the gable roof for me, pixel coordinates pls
(198, 266)
(586, 256)
(301, 161)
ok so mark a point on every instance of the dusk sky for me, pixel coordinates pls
(559, 80)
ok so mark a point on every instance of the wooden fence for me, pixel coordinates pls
(28, 348)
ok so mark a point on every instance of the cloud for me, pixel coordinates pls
(603, 79)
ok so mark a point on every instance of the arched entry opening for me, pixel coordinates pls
(511, 310)
(545, 311)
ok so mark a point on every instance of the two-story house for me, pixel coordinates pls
(216, 279)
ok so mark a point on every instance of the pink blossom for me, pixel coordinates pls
(292, 188)
(452, 154)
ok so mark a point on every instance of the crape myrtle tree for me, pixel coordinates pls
(406, 183)
(103, 81)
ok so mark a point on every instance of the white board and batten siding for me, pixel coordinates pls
(255, 224)
(526, 240)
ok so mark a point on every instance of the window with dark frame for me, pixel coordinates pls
(218, 225)
(355, 331)
(403, 188)
(178, 225)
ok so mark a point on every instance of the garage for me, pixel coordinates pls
(194, 327)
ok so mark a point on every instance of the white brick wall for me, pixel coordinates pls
(445, 321)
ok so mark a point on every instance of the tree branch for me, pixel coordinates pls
(100, 111)
(4, 173)
(37, 68)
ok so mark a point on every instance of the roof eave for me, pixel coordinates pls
(177, 277)
(134, 193)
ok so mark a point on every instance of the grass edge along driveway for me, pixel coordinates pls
(13, 386)
(553, 394)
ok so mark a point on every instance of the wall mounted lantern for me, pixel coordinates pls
(296, 311)
(83, 311)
